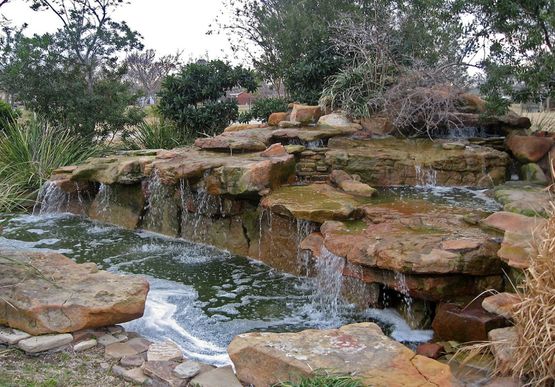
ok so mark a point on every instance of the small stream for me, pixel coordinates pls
(200, 297)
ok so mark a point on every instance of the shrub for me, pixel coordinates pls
(29, 153)
(8, 115)
(263, 107)
(193, 97)
(158, 134)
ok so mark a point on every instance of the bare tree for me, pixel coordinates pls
(147, 72)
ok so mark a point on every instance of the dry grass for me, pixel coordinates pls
(534, 317)
(541, 121)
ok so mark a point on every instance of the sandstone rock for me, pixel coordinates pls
(134, 375)
(337, 120)
(119, 350)
(12, 336)
(289, 124)
(309, 134)
(218, 377)
(294, 149)
(358, 189)
(338, 176)
(166, 351)
(132, 361)
(274, 150)
(226, 143)
(516, 249)
(119, 204)
(524, 198)
(474, 102)
(276, 118)
(125, 168)
(107, 339)
(264, 359)
(431, 350)
(393, 161)
(240, 127)
(501, 304)
(508, 221)
(65, 296)
(187, 370)
(453, 146)
(84, 345)
(529, 149)
(377, 125)
(315, 203)
(505, 342)
(162, 371)
(533, 173)
(465, 324)
(43, 343)
(305, 114)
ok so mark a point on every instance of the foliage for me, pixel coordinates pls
(157, 134)
(193, 97)
(263, 107)
(146, 72)
(324, 380)
(29, 153)
(383, 76)
(8, 115)
(288, 41)
(71, 77)
(520, 38)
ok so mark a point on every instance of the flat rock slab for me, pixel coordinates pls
(43, 343)
(84, 345)
(505, 344)
(134, 375)
(166, 351)
(12, 336)
(524, 198)
(46, 292)
(502, 304)
(162, 371)
(263, 359)
(314, 202)
(218, 377)
(187, 370)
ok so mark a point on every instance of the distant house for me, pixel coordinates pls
(243, 98)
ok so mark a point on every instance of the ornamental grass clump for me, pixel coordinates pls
(534, 316)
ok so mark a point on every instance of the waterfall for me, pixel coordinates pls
(197, 205)
(103, 199)
(51, 199)
(328, 282)
(425, 177)
(403, 289)
(304, 229)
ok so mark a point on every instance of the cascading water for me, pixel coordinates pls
(327, 285)
(196, 205)
(52, 199)
(157, 195)
(403, 289)
(103, 199)
(304, 229)
(425, 177)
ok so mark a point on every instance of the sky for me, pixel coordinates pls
(166, 25)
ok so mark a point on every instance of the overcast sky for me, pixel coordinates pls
(166, 25)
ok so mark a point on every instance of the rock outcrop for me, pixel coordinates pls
(45, 292)
(361, 350)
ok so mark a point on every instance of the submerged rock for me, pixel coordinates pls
(361, 350)
(46, 292)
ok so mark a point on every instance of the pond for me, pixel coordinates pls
(200, 297)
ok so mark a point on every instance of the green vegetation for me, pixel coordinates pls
(192, 97)
(324, 380)
(157, 134)
(263, 107)
(29, 152)
(8, 115)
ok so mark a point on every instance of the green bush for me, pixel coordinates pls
(193, 97)
(263, 107)
(158, 134)
(8, 115)
(29, 153)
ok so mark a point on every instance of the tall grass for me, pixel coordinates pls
(156, 134)
(321, 379)
(29, 152)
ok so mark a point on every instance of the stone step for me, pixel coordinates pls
(501, 304)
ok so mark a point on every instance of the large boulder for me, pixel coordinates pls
(46, 292)
(524, 198)
(305, 114)
(361, 350)
(529, 149)
(276, 118)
